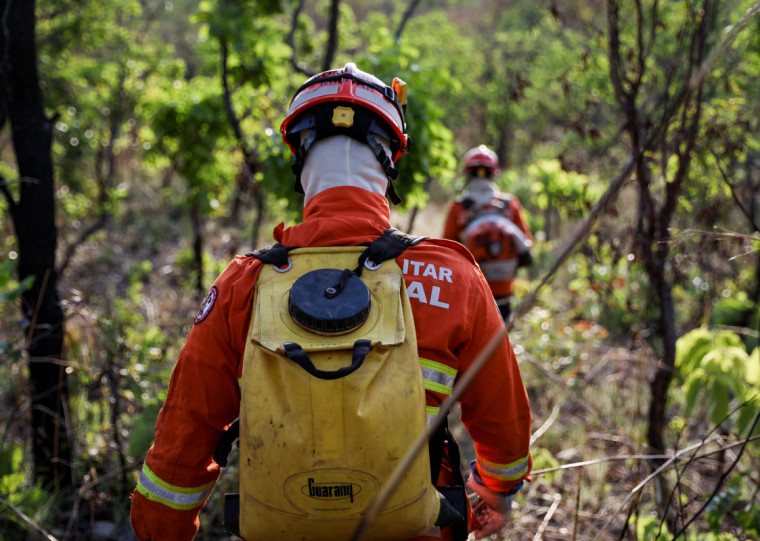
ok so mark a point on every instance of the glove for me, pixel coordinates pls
(490, 510)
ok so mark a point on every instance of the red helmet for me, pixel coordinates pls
(481, 158)
(348, 101)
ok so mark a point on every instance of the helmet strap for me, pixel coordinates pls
(364, 130)
(385, 162)
(300, 157)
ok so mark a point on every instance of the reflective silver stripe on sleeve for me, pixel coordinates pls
(153, 488)
(505, 472)
(438, 377)
(432, 412)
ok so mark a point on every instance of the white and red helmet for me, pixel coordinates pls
(348, 101)
(481, 161)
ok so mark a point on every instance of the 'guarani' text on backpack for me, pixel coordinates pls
(332, 399)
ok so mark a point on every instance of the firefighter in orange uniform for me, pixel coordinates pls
(490, 224)
(345, 176)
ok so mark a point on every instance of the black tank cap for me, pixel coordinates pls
(316, 312)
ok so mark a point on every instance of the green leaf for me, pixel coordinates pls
(143, 432)
(753, 368)
(691, 348)
(11, 474)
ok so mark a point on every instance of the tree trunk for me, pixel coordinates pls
(664, 374)
(34, 224)
(197, 219)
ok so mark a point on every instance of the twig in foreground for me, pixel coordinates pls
(28, 520)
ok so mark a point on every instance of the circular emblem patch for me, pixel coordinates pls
(207, 304)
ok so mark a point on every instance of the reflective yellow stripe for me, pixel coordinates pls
(431, 412)
(182, 498)
(505, 472)
(438, 376)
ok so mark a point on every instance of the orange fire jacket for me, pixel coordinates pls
(455, 317)
(458, 217)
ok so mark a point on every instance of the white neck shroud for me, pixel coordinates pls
(481, 191)
(342, 161)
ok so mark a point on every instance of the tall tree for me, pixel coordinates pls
(32, 209)
(632, 67)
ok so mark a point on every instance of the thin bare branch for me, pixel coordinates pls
(690, 119)
(671, 460)
(723, 46)
(577, 505)
(541, 430)
(406, 18)
(722, 479)
(734, 195)
(573, 394)
(84, 235)
(251, 162)
(291, 39)
(617, 71)
(642, 51)
(540, 533)
(27, 520)
(230, 110)
(332, 40)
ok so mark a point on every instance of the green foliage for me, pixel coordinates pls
(604, 286)
(544, 459)
(190, 128)
(11, 473)
(32, 501)
(97, 63)
(432, 152)
(10, 291)
(143, 434)
(715, 369)
(729, 504)
(260, 86)
(737, 311)
(650, 528)
(567, 194)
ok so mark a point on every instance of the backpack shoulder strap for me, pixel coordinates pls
(277, 254)
(466, 202)
(389, 245)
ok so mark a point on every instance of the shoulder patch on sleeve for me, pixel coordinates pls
(207, 304)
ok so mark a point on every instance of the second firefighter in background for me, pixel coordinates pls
(490, 224)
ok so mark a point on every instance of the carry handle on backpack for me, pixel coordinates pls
(296, 354)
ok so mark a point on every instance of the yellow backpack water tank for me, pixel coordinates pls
(315, 451)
